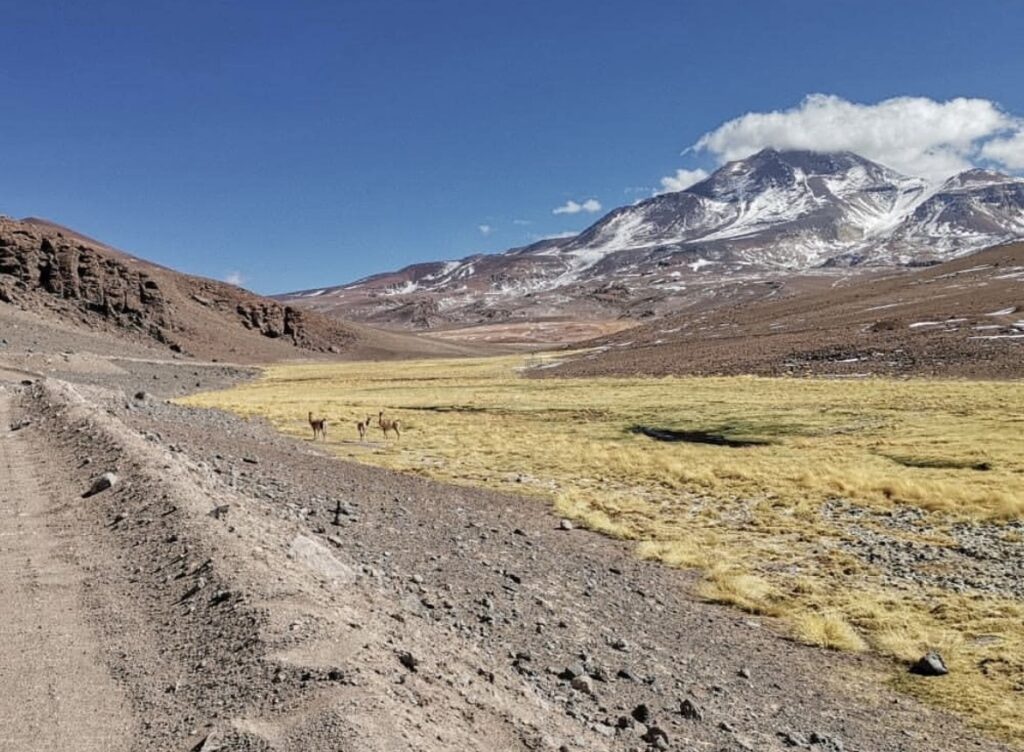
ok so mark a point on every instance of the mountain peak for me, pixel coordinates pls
(775, 211)
(775, 169)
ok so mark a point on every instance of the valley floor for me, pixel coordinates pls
(242, 590)
(880, 515)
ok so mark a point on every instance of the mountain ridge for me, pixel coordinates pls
(775, 212)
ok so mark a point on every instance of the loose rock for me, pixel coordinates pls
(641, 713)
(583, 684)
(656, 737)
(408, 660)
(930, 664)
(102, 483)
(687, 709)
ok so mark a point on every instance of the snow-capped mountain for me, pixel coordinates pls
(775, 212)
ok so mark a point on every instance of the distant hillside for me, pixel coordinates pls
(65, 275)
(961, 318)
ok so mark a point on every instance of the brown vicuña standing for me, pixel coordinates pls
(319, 426)
(362, 426)
(386, 424)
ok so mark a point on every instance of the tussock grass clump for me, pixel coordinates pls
(748, 592)
(754, 519)
(827, 630)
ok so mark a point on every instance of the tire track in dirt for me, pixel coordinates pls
(57, 693)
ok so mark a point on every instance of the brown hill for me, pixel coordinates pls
(961, 318)
(68, 277)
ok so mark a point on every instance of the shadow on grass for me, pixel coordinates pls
(697, 437)
(937, 463)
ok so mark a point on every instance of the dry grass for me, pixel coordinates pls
(827, 630)
(734, 587)
(750, 518)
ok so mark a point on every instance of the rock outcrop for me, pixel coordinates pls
(49, 271)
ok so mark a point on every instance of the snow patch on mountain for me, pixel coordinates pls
(775, 211)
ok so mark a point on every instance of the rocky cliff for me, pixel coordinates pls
(50, 271)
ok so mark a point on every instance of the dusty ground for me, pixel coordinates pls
(963, 318)
(534, 334)
(208, 600)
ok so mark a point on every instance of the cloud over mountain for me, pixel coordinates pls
(915, 135)
(591, 206)
(682, 180)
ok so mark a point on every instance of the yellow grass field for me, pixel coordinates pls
(754, 518)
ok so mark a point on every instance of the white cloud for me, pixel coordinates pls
(485, 230)
(915, 135)
(235, 278)
(591, 205)
(1008, 151)
(522, 222)
(682, 180)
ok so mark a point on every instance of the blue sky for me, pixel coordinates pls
(308, 143)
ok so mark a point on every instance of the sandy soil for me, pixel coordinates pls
(239, 590)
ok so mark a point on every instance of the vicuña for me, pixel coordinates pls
(386, 424)
(319, 426)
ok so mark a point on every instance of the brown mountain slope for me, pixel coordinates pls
(961, 318)
(69, 278)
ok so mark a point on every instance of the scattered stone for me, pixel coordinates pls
(793, 739)
(656, 737)
(220, 512)
(829, 743)
(408, 660)
(565, 525)
(930, 664)
(641, 713)
(210, 743)
(744, 673)
(101, 483)
(583, 684)
(142, 396)
(688, 709)
(249, 460)
(571, 672)
(220, 597)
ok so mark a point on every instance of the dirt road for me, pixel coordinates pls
(57, 692)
